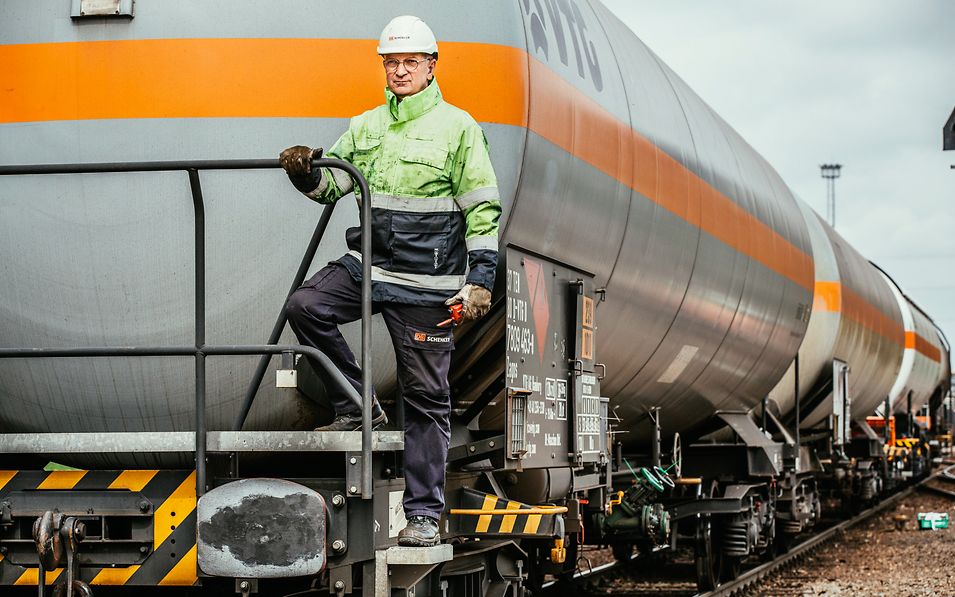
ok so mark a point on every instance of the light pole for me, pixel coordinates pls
(948, 135)
(831, 172)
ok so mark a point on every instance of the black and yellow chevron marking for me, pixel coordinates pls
(519, 525)
(173, 493)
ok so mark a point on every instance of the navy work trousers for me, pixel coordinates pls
(423, 353)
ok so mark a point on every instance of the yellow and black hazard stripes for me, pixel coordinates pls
(170, 547)
(62, 480)
(30, 576)
(133, 480)
(114, 576)
(5, 477)
(479, 514)
(173, 560)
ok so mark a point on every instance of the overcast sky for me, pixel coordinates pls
(864, 83)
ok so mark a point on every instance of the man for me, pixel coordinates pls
(435, 210)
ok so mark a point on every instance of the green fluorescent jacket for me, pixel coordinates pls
(435, 203)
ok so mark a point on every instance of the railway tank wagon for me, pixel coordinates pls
(701, 247)
(923, 372)
(855, 330)
(848, 362)
(654, 263)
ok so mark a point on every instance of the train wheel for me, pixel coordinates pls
(708, 556)
(782, 543)
(730, 567)
(622, 551)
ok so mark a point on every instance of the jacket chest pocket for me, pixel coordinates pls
(422, 170)
(366, 153)
(419, 242)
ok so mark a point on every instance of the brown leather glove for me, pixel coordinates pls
(476, 299)
(297, 162)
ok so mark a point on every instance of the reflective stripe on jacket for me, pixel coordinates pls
(435, 203)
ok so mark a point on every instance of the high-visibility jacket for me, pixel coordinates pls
(434, 198)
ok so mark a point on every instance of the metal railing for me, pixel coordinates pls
(200, 349)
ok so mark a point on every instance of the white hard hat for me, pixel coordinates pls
(407, 34)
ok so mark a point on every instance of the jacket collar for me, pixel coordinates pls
(415, 105)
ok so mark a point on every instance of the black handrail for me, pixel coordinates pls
(200, 349)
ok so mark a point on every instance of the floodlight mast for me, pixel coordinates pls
(948, 135)
(831, 172)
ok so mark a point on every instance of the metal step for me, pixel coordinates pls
(401, 568)
(404, 556)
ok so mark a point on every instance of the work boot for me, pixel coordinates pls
(352, 421)
(421, 531)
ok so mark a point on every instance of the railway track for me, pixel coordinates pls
(750, 579)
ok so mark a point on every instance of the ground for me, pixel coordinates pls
(875, 559)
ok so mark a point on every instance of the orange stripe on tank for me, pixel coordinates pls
(209, 78)
(866, 314)
(218, 78)
(914, 341)
(580, 126)
(828, 297)
(833, 298)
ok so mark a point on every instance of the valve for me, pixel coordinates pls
(638, 510)
(614, 502)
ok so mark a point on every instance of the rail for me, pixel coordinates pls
(200, 349)
(749, 579)
(746, 582)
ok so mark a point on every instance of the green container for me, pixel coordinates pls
(933, 520)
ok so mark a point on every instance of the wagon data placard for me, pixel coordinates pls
(554, 396)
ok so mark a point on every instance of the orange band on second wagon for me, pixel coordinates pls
(828, 297)
(914, 341)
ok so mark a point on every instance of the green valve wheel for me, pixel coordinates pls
(651, 479)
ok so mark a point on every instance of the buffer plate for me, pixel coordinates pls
(261, 528)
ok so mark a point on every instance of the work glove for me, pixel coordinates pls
(476, 300)
(297, 162)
